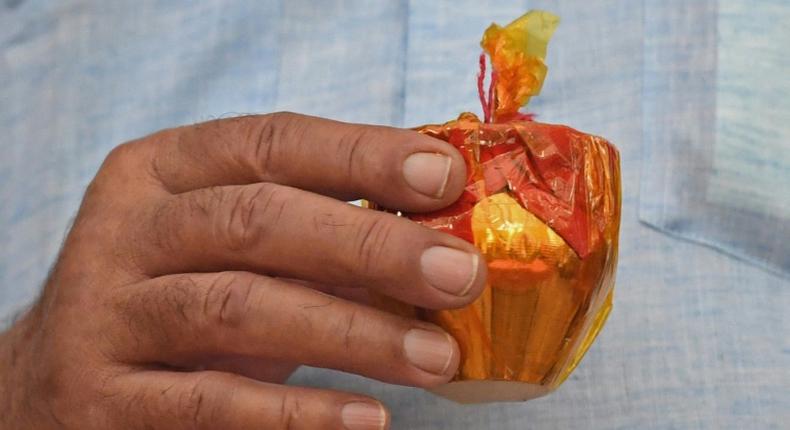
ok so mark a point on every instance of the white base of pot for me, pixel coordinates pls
(490, 391)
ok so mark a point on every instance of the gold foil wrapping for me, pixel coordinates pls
(542, 204)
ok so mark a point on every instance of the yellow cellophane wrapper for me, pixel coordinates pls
(517, 53)
(542, 204)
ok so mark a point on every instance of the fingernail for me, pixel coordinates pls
(428, 350)
(449, 270)
(427, 173)
(363, 416)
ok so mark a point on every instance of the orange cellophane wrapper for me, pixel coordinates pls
(542, 204)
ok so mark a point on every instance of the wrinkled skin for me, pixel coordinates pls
(207, 262)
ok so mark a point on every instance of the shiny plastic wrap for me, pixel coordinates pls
(517, 52)
(542, 203)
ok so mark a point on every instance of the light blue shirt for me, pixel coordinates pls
(695, 95)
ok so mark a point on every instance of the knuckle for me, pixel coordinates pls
(193, 404)
(290, 411)
(158, 315)
(119, 155)
(138, 149)
(59, 385)
(161, 319)
(269, 135)
(56, 383)
(135, 159)
(350, 324)
(159, 226)
(117, 162)
(373, 235)
(250, 214)
(227, 301)
(176, 299)
(354, 147)
(203, 203)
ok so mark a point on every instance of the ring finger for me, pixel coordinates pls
(179, 318)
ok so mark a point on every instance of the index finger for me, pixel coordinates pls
(395, 167)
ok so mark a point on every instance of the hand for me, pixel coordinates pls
(207, 262)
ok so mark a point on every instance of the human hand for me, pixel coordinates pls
(208, 261)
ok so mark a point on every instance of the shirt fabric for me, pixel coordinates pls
(697, 339)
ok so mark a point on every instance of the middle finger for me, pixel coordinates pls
(287, 232)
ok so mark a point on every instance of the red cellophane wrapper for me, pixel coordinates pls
(542, 204)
